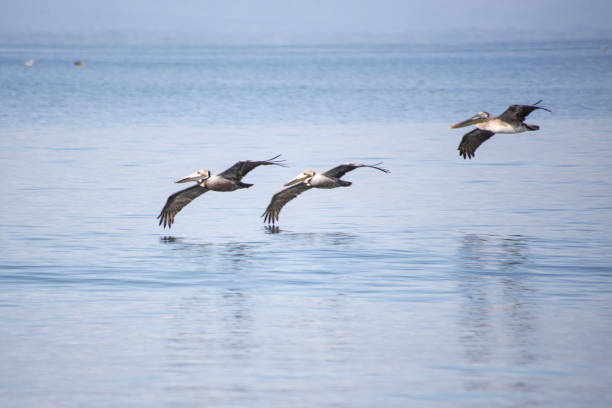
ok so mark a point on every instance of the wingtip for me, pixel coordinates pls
(164, 221)
(541, 107)
(268, 219)
(276, 157)
(273, 160)
(375, 166)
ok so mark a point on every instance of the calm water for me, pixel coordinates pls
(482, 283)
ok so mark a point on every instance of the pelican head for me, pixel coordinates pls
(197, 176)
(303, 176)
(478, 118)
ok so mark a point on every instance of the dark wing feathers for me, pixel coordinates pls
(342, 169)
(177, 201)
(180, 199)
(520, 112)
(242, 168)
(280, 199)
(471, 141)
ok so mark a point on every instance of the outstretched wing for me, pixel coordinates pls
(242, 168)
(520, 112)
(280, 199)
(177, 201)
(471, 141)
(342, 169)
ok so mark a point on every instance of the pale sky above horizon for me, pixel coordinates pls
(285, 17)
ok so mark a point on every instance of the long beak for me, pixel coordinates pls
(198, 175)
(298, 179)
(468, 122)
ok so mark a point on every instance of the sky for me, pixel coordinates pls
(280, 20)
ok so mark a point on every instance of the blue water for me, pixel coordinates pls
(482, 283)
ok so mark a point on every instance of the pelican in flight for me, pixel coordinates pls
(229, 180)
(511, 121)
(307, 180)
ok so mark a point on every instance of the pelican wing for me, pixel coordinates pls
(280, 199)
(471, 141)
(177, 201)
(242, 168)
(342, 169)
(520, 112)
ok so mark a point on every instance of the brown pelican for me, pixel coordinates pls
(79, 63)
(229, 180)
(511, 121)
(307, 180)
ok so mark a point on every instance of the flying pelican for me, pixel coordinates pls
(307, 180)
(511, 121)
(229, 180)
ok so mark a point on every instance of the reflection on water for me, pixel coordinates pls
(272, 229)
(492, 253)
(169, 239)
(335, 238)
(234, 250)
(205, 326)
(497, 316)
(217, 262)
(209, 348)
(209, 263)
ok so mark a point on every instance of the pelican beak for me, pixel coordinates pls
(297, 179)
(471, 121)
(197, 176)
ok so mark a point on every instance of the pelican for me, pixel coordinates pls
(229, 180)
(511, 121)
(29, 63)
(79, 63)
(307, 180)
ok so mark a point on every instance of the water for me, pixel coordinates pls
(445, 283)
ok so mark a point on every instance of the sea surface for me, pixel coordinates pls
(445, 283)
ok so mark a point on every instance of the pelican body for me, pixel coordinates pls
(511, 121)
(228, 180)
(318, 180)
(307, 180)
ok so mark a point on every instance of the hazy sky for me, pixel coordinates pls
(286, 18)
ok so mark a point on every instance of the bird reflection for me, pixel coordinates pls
(206, 260)
(237, 319)
(238, 252)
(495, 254)
(497, 315)
(168, 239)
(206, 328)
(272, 229)
(330, 238)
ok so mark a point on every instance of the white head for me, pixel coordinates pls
(198, 176)
(478, 118)
(303, 176)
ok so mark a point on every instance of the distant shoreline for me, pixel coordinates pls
(203, 38)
